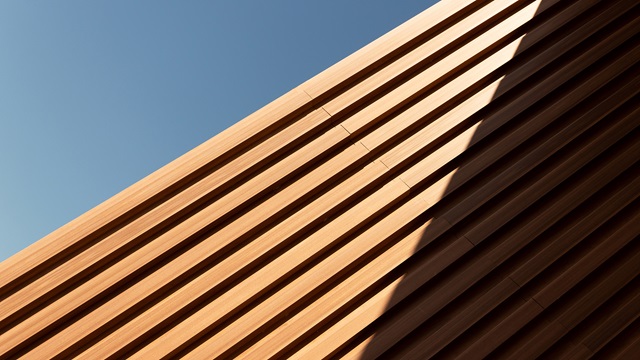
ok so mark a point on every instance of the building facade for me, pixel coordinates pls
(464, 186)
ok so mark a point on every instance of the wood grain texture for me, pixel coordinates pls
(465, 186)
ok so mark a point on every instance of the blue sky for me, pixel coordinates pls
(95, 95)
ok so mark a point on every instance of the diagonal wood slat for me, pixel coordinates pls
(465, 186)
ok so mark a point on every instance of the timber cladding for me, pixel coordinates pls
(465, 186)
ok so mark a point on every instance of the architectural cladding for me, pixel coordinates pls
(466, 185)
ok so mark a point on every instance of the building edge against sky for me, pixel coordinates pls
(97, 96)
(465, 185)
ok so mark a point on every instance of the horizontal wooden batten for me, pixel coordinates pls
(465, 186)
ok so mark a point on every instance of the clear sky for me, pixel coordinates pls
(95, 95)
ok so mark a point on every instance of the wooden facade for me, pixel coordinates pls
(465, 186)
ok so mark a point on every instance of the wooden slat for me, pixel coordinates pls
(490, 92)
(605, 323)
(285, 298)
(485, 157)
(269, 274)
(460, 211)
(625, 346)
(560, 285)
(615, 277)
(125, 204)
(164, 243)
(508, 320)
(425, 80)
(340, 295)
(457, 32)
(620, 319)
(487, 343)
(222, 272)
(122, 239)
(440, 296)
(464, 186)
(231, 141)
(564, 241)
(228, 266)
(430, 344)
(425, 23)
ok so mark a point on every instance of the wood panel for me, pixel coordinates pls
(465, 186)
